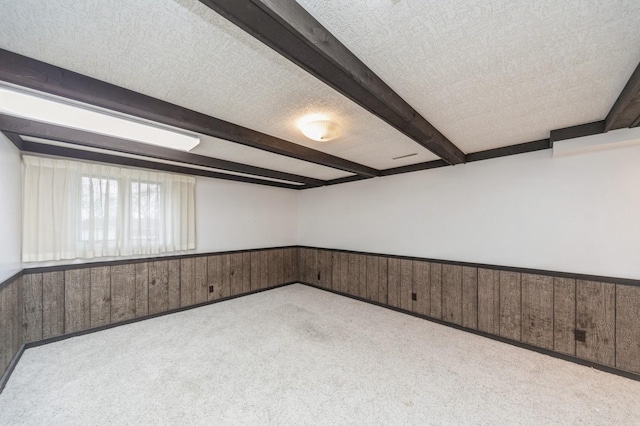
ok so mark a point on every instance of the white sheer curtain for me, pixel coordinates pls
(81, 210)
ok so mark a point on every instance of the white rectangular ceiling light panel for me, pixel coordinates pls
(38, 108)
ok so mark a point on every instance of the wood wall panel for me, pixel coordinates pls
(537, 310)
(158, 287)
(201, 280)
(187, 281)
(324, 265)
(52, 304)
(100, 295)
(489, 301)
(452, 293)
(291, 265)
(32, 307)
(123, 293)
(264, 268)
(11, 322)
(628, 328)
(510, 305)
(595, 314)
(225, 276)
(421, 287)
(436, 290)
(470, 297)
(393, 286)
(564, 315)
(383, 280)
(214, 275)
(406, 284)
(142, 289)
(372, 278)
(77, 302)
(246, 271)
(174, 283)
(236, 273)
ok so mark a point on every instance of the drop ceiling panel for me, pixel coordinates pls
(184, 53)
(491, 73)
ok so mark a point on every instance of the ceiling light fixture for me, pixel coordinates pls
(43, 109)
(318, 128)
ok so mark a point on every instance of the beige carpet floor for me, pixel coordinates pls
(298, 355)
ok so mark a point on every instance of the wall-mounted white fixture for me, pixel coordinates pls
(319, 128)
(67, 114)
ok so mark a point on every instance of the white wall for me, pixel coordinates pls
(574, 214)
(236, 216)
(10, 208)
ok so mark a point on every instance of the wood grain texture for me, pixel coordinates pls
(406, 284)
(123, 293)
(201, 280)
(537, 310)
(246, 272)
(452, 293)
(276, 267)
(187, 281)
(372, 277)
(421, 287)
(255, 271)
(354, 274)
(264, 269)
(32, 307)
(77, 302)
(158, 287)
(340, 272)
(436, 290)
(225, 275)
(52, 304)
(11, 322)
(470, 297)
(595, 313)
(510, 305)
(174, 283)
(489, 301)
(215, 276)
(325, 268)
(142, 289)
(236, 275)
(291, 265)
(383, 280)
(628, 328)
(564, 315)
(393, 285)
(100, 296)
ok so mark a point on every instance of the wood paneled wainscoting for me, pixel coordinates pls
(586, 319)
(42, 305)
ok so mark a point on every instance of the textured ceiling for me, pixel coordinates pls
(490, 73)
(183, 52)
(486, 73)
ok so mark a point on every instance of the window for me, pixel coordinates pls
(79, 210)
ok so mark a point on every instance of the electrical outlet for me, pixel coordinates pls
(414, 296)
(581, 335)
(210, 289)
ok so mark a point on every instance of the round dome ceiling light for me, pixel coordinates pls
(320, 130)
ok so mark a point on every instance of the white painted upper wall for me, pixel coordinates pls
(576, 214)
(10, 208)
(237, 216)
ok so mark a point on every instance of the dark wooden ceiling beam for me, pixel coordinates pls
(37, 75)
(626, 110)
(79, 154)
(24, 127)
(287, 28)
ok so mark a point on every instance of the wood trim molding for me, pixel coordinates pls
(290, 30)
(625, 112)
(23, 71)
